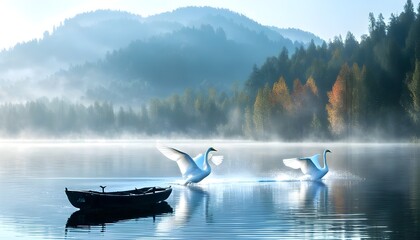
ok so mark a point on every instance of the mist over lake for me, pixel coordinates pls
(371, 191)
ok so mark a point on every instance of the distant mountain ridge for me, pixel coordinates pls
(218, 18)
(77, 55)
(298, 35)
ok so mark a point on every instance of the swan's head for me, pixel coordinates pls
(212, 149)
(328, 151)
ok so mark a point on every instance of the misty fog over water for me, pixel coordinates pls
(371, 190)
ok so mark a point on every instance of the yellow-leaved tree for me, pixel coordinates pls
(281, 97)
(262, 111)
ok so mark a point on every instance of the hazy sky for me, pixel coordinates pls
(22, 20)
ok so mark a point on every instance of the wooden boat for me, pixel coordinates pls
(137, 198)
(101, 217)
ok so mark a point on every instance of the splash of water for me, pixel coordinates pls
(342, 175)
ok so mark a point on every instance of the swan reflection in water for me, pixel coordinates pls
(191, 198)
(88, 218)
(313, 195)
(303, 197)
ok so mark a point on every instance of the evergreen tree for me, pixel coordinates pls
(298, 94)
(358, 96)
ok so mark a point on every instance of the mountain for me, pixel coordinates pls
(233, 24)
(298, 35)
(119, 56)
(86, 37)
(188, 58)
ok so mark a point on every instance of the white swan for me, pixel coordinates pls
(192, 170)
(309, 165)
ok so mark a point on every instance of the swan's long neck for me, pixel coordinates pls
(206, 160)
(325, 160)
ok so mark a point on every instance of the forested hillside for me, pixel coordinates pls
(191, 57)
(345, 88)
(341, 89)
(125, 58)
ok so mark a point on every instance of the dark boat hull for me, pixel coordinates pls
(137, 198)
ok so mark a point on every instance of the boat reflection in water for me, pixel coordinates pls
(87, 218)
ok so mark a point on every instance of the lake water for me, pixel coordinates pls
(371, 191)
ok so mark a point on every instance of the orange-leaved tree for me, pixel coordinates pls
(337, 102)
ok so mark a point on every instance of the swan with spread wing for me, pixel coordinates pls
(309, 165)
(193, 170)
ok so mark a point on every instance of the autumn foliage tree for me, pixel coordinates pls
(281, 98)
(282, 107)
(262, 111)
(311, 86)
(336, 107)
(346, 106)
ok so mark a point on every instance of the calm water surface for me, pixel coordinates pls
(371, 191)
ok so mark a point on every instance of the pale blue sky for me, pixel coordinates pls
(22, 20)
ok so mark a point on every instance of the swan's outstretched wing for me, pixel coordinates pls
(184, 161)
(199, 160)
(217, 160)
(305, 164)
(294, 163)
